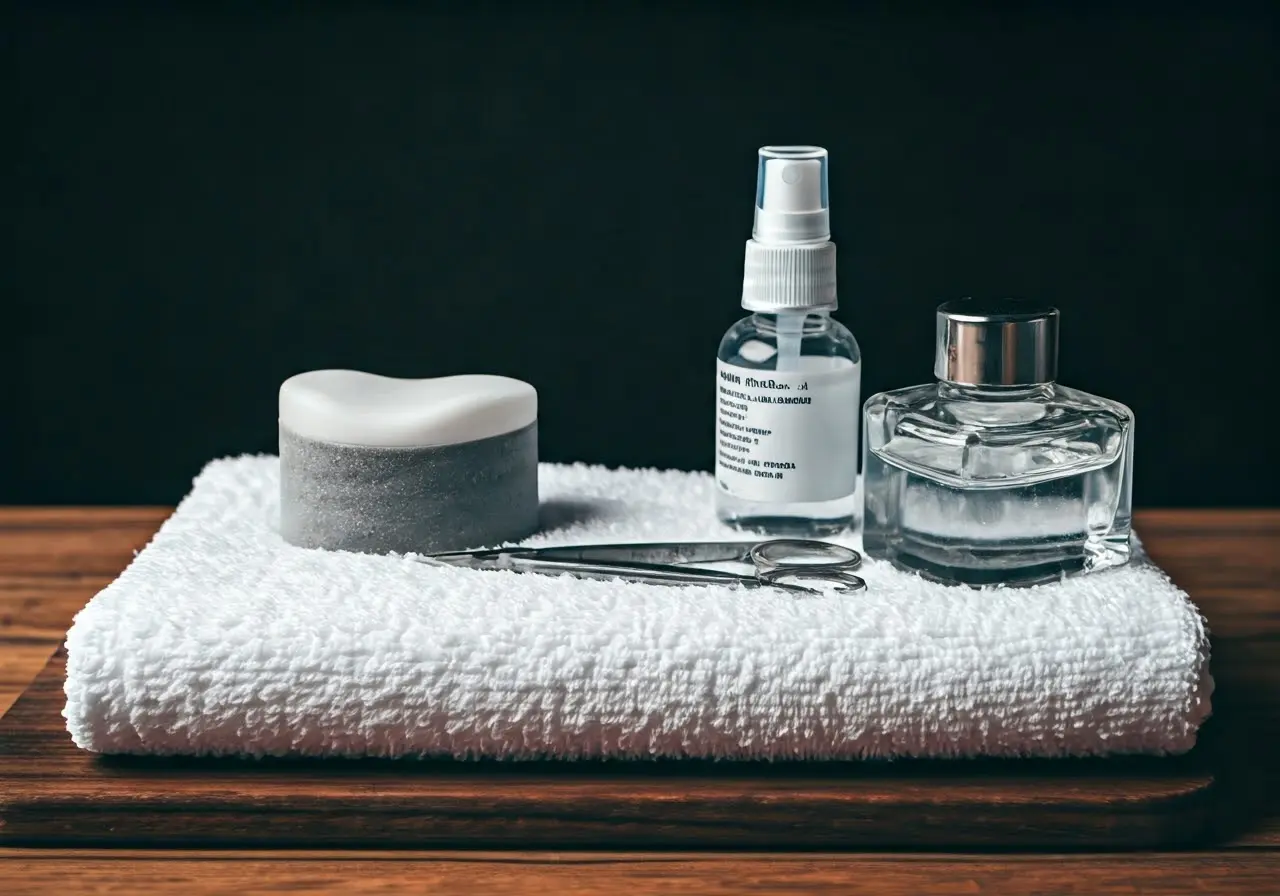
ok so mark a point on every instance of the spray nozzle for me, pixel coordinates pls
(791, 196)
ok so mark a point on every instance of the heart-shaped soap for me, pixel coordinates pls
(351, 407)
(383, 465)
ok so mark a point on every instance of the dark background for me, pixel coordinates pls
(200, 204)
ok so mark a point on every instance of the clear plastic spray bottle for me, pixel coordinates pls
(788, 377)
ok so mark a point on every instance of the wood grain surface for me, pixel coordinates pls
(556, 874)
(53, 560)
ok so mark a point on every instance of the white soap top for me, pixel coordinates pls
(355, 408)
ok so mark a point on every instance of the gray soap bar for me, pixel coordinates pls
(399, 500)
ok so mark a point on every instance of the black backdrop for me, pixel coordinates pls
(202, 203)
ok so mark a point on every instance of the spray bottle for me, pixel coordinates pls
(788, 377)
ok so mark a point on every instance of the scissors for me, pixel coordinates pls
(777, 563)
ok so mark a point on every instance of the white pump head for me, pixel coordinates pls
(791, 261)
(791, 196)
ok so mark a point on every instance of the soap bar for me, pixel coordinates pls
(380, 465)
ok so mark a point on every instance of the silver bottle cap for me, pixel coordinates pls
(996, 342)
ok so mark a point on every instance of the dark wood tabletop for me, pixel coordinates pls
(52, 560)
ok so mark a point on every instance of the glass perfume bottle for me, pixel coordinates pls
(788, 377)
(996, 473)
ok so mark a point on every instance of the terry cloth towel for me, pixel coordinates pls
(220, 638)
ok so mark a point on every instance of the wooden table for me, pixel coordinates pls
(53, 560)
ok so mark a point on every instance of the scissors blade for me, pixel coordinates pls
(648, 573)
(656, 552)
(482, 559)
(522, 561)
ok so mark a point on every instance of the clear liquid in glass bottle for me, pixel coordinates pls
(788, 377)
(996, 473)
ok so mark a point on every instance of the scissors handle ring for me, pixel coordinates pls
(846, 581)
(801, 553)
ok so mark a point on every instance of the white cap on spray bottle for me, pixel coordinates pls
(790, 260)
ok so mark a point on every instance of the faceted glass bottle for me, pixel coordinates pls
(815, 444)
(996, 473)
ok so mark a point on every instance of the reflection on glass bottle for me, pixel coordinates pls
(996, 473)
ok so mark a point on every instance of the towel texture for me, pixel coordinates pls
(220, 638)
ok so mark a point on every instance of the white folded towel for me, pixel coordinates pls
(220, 638)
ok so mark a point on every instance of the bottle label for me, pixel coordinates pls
(788, 437)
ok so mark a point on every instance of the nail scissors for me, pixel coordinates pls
(777, 563)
